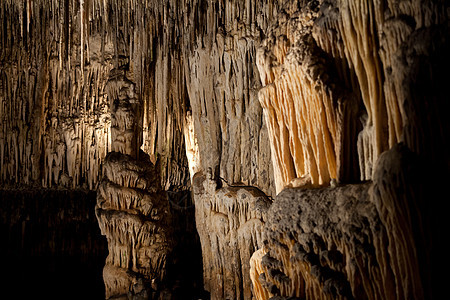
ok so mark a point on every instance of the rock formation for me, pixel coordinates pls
(377, 251)
(312, 135)
(230, 228)
(321, 244)
(344, 242)
(134, 215)
(132, 210)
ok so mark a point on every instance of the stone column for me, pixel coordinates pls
(132, 209)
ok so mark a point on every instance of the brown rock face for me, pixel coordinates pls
(321, 244)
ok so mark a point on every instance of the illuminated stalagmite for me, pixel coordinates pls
(134, 215)
(312, 135)
(132, 210)
(232, 218)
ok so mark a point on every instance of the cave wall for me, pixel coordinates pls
(294, 104)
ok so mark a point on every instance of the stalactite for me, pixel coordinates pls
(84, 41)
(306, 111)
(190, 138)
(61, 101)
(367, 36)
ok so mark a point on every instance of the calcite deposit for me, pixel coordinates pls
(133, 213)
(344, 242)
(364, 59)
(132, 209)
(320, 245)
(302, 129)
(229, 222)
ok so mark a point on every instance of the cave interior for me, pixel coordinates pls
(224, 149)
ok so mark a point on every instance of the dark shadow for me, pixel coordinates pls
(51, 245)
(185, 272)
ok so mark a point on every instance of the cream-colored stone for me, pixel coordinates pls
(256, 270)
(136, 221)
(229, 222)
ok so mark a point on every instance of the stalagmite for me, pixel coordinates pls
(134, 215)
(132, 209)
(82, 32)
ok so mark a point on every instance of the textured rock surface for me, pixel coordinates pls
(229, 222)
(364, 241)
(134, 215)
(322, 245)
